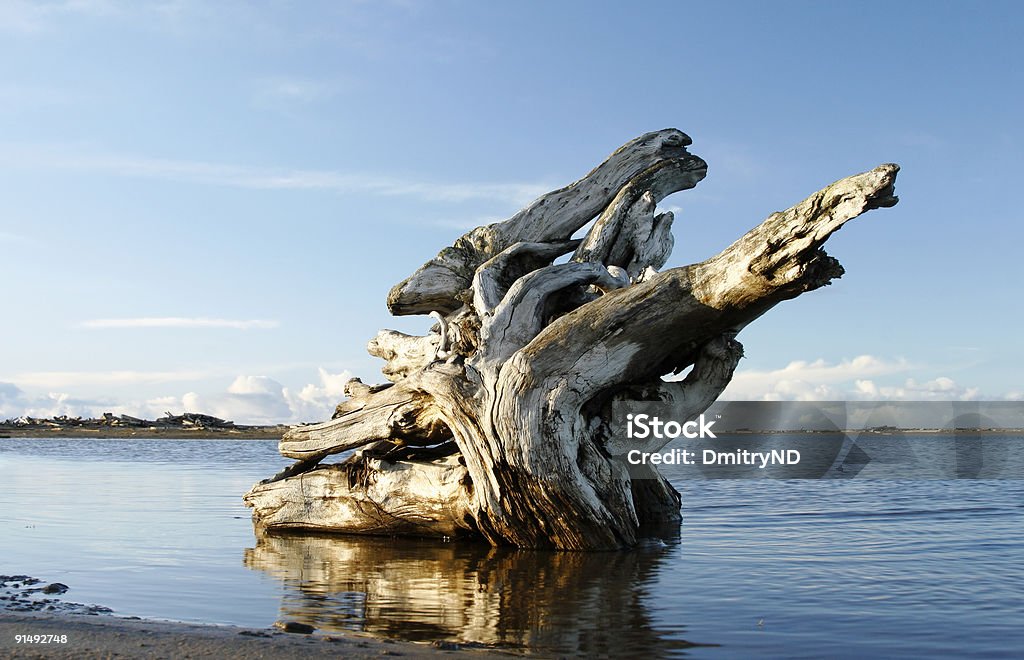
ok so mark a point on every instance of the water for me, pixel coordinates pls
(840, 568)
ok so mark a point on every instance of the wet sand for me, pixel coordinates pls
(60, 628)
(96, 637)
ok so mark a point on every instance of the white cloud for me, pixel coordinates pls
(14, 402)
(236, 176)
(246, 400)
(263, 400)
(938, 389)
(843, 381)
(254, 385)
(316, 402)
(249, 400)
(179, 322)
(258, 399)
(812, 381)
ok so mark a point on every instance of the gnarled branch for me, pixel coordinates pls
(510, 394)
(553, 217)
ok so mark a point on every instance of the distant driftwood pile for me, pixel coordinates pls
(495, 424)
(186, 424)
(110, 420)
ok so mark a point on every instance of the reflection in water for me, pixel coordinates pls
(588, 603)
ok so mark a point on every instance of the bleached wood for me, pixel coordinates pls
(436, 286)
(628, 234)
(398, 413)
(521, 313)
(712, 371)
(494, 277)
(404, 354)
(369, 496)
(528, 356)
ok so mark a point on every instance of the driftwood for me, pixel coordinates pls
(495, 423)
(168, 421)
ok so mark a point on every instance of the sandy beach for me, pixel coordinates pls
(106, 637)
(37, 622)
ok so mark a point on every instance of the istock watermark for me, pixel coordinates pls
(645, 426)
(820, 440)
(759, 459)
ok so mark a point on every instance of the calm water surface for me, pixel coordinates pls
(156, 528)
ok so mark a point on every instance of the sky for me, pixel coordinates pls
(203, 205)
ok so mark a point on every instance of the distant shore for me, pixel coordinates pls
(184, 426)
(237, 433)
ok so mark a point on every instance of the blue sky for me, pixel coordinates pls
(264, 173)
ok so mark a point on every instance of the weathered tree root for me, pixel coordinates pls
(528, 355)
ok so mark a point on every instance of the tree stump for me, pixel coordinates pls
(495, 424)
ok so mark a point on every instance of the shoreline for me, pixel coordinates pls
(106, 636)
(36, 621)
(114, 433)
(186, 425)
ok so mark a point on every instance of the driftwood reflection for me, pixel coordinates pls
(566, 602)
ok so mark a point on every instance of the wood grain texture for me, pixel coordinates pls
(497, 422)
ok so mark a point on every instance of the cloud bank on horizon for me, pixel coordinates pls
(848, 380)
(246, 400)
(252, 399)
